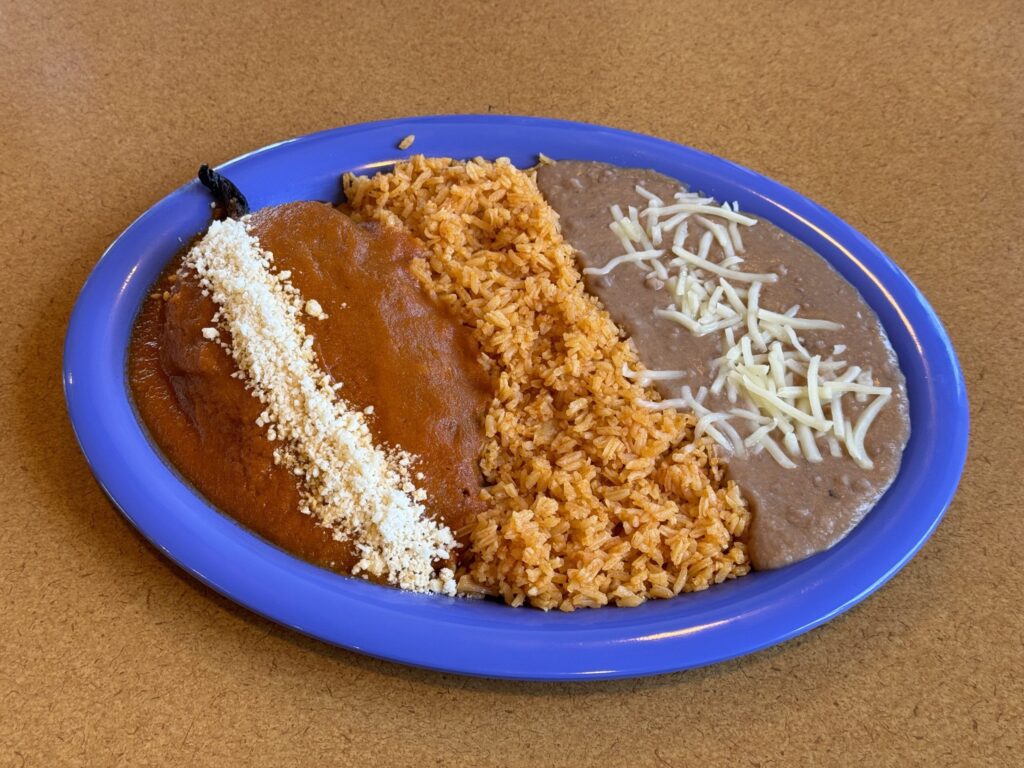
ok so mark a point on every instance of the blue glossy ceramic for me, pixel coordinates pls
(487, 638)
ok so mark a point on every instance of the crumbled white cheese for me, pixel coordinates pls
(313, 309)
(350, 485)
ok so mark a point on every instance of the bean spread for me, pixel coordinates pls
(796, 512)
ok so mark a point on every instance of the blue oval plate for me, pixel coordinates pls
(481, 637)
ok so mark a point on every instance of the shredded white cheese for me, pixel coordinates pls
(357, 489)
(628, 258)
(785, 391)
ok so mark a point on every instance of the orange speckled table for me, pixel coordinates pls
(904, 118)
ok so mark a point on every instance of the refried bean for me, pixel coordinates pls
(391, 346)
(796, 512)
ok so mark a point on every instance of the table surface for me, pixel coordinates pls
(905, 120)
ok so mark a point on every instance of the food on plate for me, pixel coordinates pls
(339, 338)
(567, 386)
(723, 308)
(590, 496)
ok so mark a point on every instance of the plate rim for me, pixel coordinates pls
(626, 651)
